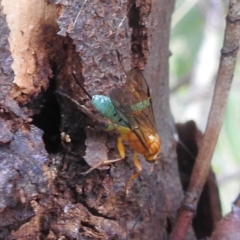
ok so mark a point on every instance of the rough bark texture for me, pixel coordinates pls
(43, 194)
(97, 31)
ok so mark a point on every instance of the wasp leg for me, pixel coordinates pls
(103, 162)
(108, 127)
(121, 148)
(121, 151)
(138, 167)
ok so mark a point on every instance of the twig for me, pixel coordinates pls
(215, 120)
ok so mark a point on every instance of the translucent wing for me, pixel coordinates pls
(134, 105)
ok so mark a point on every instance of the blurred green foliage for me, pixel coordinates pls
(186, 40)
(191, 36)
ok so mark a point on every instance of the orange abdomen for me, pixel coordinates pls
(153, 142)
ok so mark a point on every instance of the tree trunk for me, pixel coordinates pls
(43, 194)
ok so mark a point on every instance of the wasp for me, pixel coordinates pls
(130, 112)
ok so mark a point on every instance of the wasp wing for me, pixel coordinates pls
(139, 92)
(134, 105)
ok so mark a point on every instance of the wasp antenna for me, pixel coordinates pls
(120, 61)
(75, 21)
(138, 218)
(82, 107)
(134, 225)
(125, 17)
(121, 23)
(178, 140)
(81, 86)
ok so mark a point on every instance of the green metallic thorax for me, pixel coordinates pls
(103, 105)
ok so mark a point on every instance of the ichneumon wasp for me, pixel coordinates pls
(131, 115)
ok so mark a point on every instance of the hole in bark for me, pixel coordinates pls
(139, 42)
(133, 14)
(48, 119)
(134, 22)
(169, 226)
